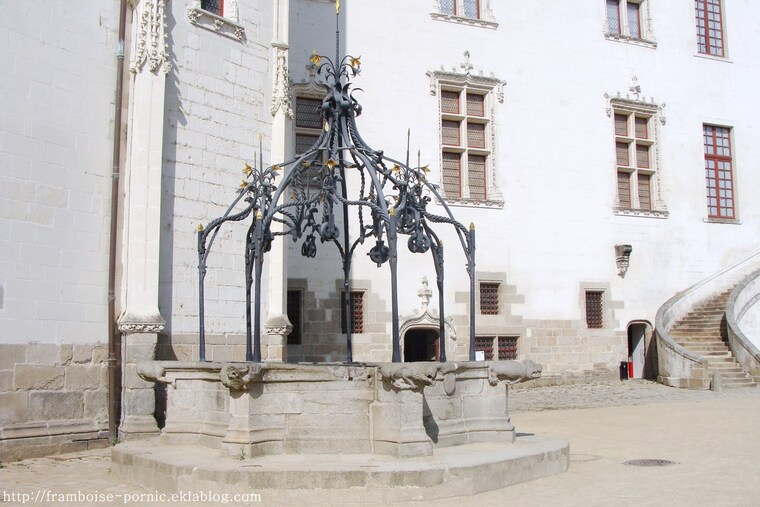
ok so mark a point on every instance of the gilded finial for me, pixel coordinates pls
(331, 164)
(472, 226)
(276, 167)
(337, 6)
(392, 212)
(356, 62)
(247, 170)
(395, 168)
(258, 215)
(315, 58)
(244, 184)
(200, 227)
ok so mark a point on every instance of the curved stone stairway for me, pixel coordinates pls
(703, 332)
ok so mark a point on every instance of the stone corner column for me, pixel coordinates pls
(140, 319)
(278, 326)
(138, 402)
(274, 344)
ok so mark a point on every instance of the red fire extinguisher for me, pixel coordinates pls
(630, 367)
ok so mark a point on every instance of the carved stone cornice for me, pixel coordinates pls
(152, 49)
(281, 98)
(466, 78)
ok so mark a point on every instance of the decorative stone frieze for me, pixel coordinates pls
(141, 327)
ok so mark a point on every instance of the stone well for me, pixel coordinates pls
(236, 421)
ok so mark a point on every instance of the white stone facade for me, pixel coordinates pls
(197, 107)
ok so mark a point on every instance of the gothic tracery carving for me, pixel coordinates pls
(281, 93)
(151, 48)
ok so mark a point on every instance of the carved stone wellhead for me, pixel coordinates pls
(402, 410)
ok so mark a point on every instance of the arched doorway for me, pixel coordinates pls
(420, 344)
(638, 337)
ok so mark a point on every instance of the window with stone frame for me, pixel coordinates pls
(507, 347)
(636, 157)
(628, 21)
(710, 30)
(213, 6)
(719, 172)
(466, 143)
(462, 8)
(594, 309)
(356, 307)
(485, 344)
(308, 127)
(472, 12)
(219, 16)
(295, 315)
(489, 298)
(308, 122)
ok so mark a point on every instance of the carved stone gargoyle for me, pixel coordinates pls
(513, 372)
(408, 376)
(237, 377)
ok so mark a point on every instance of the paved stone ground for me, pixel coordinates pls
(609, 394)
(712, 437)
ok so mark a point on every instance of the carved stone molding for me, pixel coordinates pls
(152, 49)
(622, 258)
(279, 325)
(513, 372)
(133, 324)
(281, 98)
(425, 317)
(634, 100)
(134, 328)
(466, 78)
(227, 25)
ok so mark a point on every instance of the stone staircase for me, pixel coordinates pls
(703, 332)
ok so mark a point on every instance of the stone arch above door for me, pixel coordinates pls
(426, 318)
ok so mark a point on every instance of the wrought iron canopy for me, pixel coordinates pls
(304, 194)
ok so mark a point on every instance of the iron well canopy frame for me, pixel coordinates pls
(392, 201)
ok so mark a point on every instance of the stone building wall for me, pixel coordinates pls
(217, 105)
(53, 398)
(58, 63)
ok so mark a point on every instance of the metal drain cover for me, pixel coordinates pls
(649, 462)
